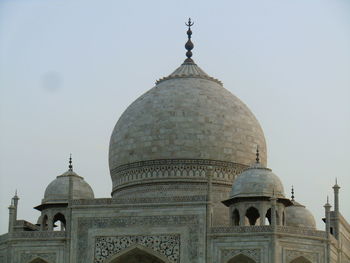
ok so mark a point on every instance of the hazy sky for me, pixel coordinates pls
(68, 69)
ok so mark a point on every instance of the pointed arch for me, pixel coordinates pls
(253, 215)
(38, 260)
(137, 254)
(300, 259)
(241, 258)
(60, 218)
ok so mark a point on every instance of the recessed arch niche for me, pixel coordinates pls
(38, 260)
(138, 254)
(241, 259)
(300, 260)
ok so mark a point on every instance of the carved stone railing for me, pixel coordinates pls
(4, 237)
(302, 231)
(240, 229)
(37, 234)
(145, 200)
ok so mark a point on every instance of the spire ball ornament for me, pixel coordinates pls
(257, 154)
(70, 167)
(189, 45)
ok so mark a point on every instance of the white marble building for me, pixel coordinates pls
(189, 186)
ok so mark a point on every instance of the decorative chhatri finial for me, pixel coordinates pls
(292, 193)
(189, 45)
(257, 154)
(70, 163)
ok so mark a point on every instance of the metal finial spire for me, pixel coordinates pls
(257, 154)
(189, 45)
(70, 163)
(292, 193)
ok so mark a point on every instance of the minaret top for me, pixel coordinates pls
(292, 193)
(336, 186)
(189, 45)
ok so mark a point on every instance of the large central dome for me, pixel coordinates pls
(187, 115)
(185, 130)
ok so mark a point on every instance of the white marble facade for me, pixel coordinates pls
(188, 187)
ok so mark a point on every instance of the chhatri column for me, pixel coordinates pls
(273, 200)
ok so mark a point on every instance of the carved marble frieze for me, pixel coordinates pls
(167, 245)
(253, 253)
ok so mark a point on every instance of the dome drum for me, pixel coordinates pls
(180, 170)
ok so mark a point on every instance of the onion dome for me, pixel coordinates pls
(58, 191)
(187, 115)
(298, 216)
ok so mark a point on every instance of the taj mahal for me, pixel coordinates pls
(190, 184)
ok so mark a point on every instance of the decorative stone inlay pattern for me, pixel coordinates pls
(174, 168)
(29, 256)
(167, 245)
(192, 223)
(293, 254)
(254, 254)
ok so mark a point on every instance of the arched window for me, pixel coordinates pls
(235, 218)
(44, 223)
(137, 255)
(59, 222)
(300, 260)
(252, 214)
(241, 259)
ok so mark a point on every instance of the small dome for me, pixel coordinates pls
(58, 190)
(257, 180)
(298, 216)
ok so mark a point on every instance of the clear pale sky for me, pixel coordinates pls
(68, 69)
